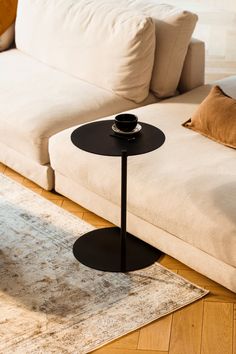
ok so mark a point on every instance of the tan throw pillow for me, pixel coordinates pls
(7, 14)
(6, 39)
(215, 118)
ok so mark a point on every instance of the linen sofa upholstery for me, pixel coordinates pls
(45, 106)
(43, 101)
(103, 43)
(182, 194)
(72, 39)
(174, 28)
(47, 96)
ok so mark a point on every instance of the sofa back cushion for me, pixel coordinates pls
(174, 28)
(99, 42)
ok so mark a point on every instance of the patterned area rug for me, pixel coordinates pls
(49, 303)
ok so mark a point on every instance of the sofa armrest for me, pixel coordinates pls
(194, 67)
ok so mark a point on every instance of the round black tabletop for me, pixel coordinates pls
(99, 138)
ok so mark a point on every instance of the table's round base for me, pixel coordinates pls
(100, 249)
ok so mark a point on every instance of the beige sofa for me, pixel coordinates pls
(80, 66)
(181, 197)
(73, 70)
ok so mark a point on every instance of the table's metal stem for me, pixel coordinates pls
(123, 208)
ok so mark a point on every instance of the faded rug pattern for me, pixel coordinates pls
(50, 303)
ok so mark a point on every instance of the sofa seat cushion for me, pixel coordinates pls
(37, 101)
(187, 187)
(103, 43)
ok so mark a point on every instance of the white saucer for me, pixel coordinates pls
(134, 131)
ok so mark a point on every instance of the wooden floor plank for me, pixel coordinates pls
(187, 329)
(220, 294)
(71, 206)
(13, 175)
(172, 263)
(36, 190)
(217, 337)
(95, 220)
(29, 184)
(197, 278)
(52, 195)
(57, 202)
(156, 336)
(130, 341)
(77, 213)
(126, 351)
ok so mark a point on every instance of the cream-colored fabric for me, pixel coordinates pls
(186, 187)
(193, 72)
(43, 175)
(103, 43)
(201, 261)
(7, 38)
(43, 101)
(174, 28)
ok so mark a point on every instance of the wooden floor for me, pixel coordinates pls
(207, 326)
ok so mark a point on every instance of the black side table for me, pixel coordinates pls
(113, 249)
